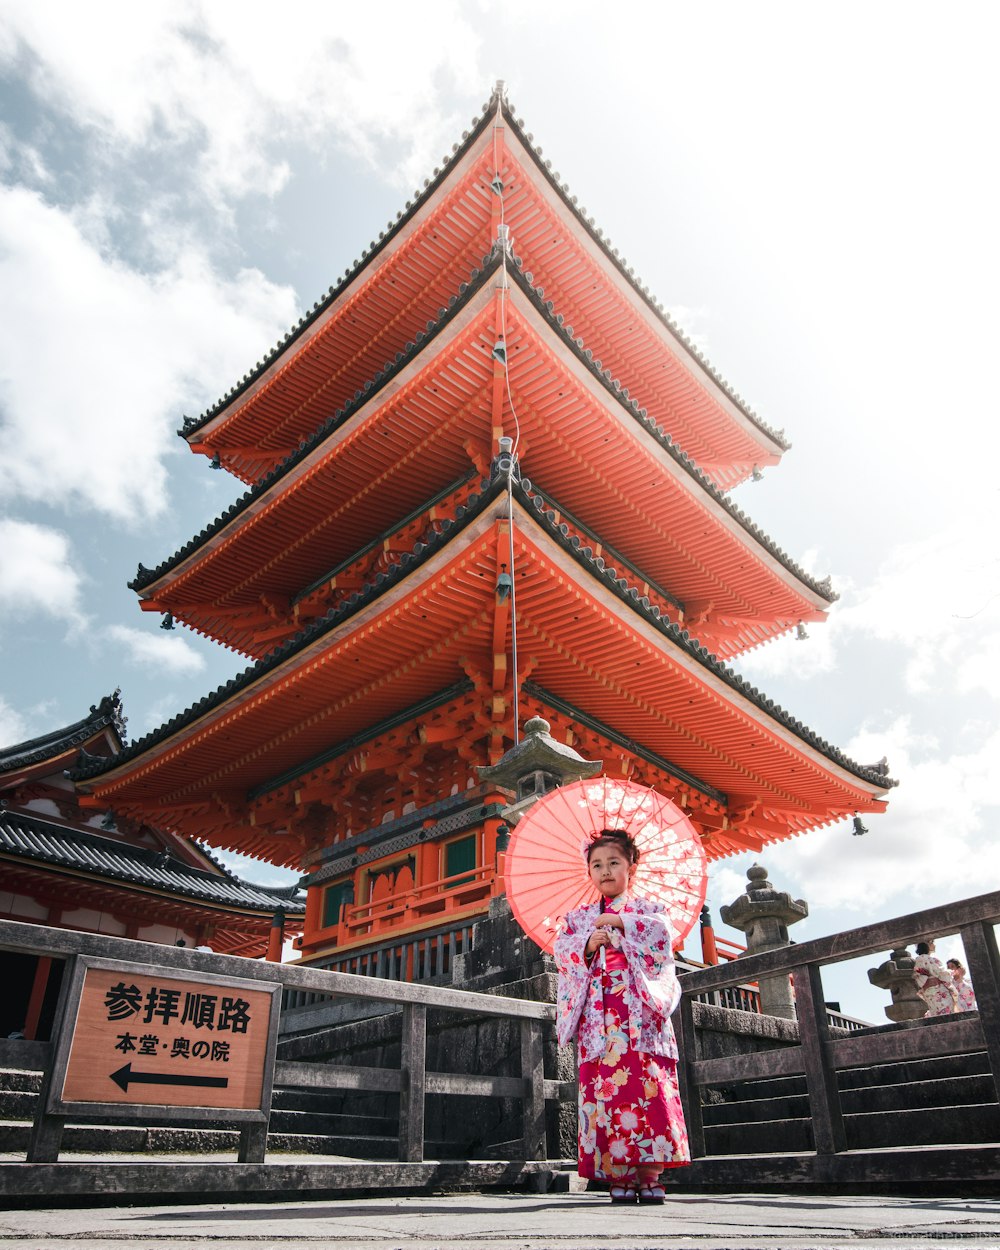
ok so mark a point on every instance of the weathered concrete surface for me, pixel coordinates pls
(571, 1221)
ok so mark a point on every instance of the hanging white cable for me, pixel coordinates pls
(512, 467)
(513, 603)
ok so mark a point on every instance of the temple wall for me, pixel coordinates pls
(21, 907)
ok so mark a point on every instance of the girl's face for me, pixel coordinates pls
(610, 870)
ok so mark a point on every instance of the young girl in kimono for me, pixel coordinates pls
(617, 989)
(963, 990)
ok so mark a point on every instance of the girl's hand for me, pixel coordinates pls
(608, 920)
(599, 937)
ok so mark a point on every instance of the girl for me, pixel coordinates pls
(963, 990)
(617, 988)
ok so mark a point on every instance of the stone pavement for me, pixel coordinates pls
(572, 1221)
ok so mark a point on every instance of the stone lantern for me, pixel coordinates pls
(764, 914)
(536, 765)
(896, 976)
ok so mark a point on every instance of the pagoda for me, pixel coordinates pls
(105, 872)
(486, 481)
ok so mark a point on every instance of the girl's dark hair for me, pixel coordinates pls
(923, 948)
(954, 963)
(617, 838)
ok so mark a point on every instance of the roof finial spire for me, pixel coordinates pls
(500, 90)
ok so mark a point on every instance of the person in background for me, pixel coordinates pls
(966, 994)
(934, 982)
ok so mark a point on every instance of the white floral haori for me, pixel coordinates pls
(651, 990)
(935, 985)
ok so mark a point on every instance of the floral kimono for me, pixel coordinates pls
(966, 995)
(935, 985)
(618, 1007)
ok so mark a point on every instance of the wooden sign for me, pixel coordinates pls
(141, 1036)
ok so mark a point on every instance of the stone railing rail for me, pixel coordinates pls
(411, 1079)
(820, 1053)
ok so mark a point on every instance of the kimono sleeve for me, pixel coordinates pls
(648, 947)
(574, 975)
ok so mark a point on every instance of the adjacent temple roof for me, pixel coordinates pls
(29, 838)
(106, 715)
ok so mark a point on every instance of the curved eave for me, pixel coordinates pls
(596, 644)
(105, 721)
(408, 276)
(211, 910)
(421, 416)
(29, 839)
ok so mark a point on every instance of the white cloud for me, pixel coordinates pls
(254, 870)
(98, 358)
(161, 651)
(14, 727)
(234, 84)
(935, 599)
(936, 841)
(37, 570)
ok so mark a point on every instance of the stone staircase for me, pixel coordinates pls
(916, 1103)
(302, 1122)
(923, 1102)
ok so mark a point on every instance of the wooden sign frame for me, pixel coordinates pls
(80, 965)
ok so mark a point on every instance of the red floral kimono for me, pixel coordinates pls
(619, 1010)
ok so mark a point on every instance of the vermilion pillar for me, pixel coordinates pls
(276, 938)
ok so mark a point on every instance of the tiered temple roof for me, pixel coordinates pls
(410, 597)
(588, 634)
(413, 438)
(409, 275)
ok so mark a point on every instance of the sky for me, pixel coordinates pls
(812, 192)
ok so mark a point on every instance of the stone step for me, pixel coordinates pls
(17, 1104)
(136, 1139)
(315, 1123)
(17, 1081)
(939, 1126)
(21, 1107)
(911, 1072)
(956, 1091)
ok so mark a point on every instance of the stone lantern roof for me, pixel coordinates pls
(537, 752)
(535, 765)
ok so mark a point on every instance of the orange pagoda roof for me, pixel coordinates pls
(420, 434)
(419, 632)
(407, 277)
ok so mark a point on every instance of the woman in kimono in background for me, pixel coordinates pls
(617, 989)
(934, 982)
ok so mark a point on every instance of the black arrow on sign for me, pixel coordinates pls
(125, 1075)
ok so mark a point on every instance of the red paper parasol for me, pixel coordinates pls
(545, 868)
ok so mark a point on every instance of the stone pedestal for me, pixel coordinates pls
(764, 914)
(896, 976)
